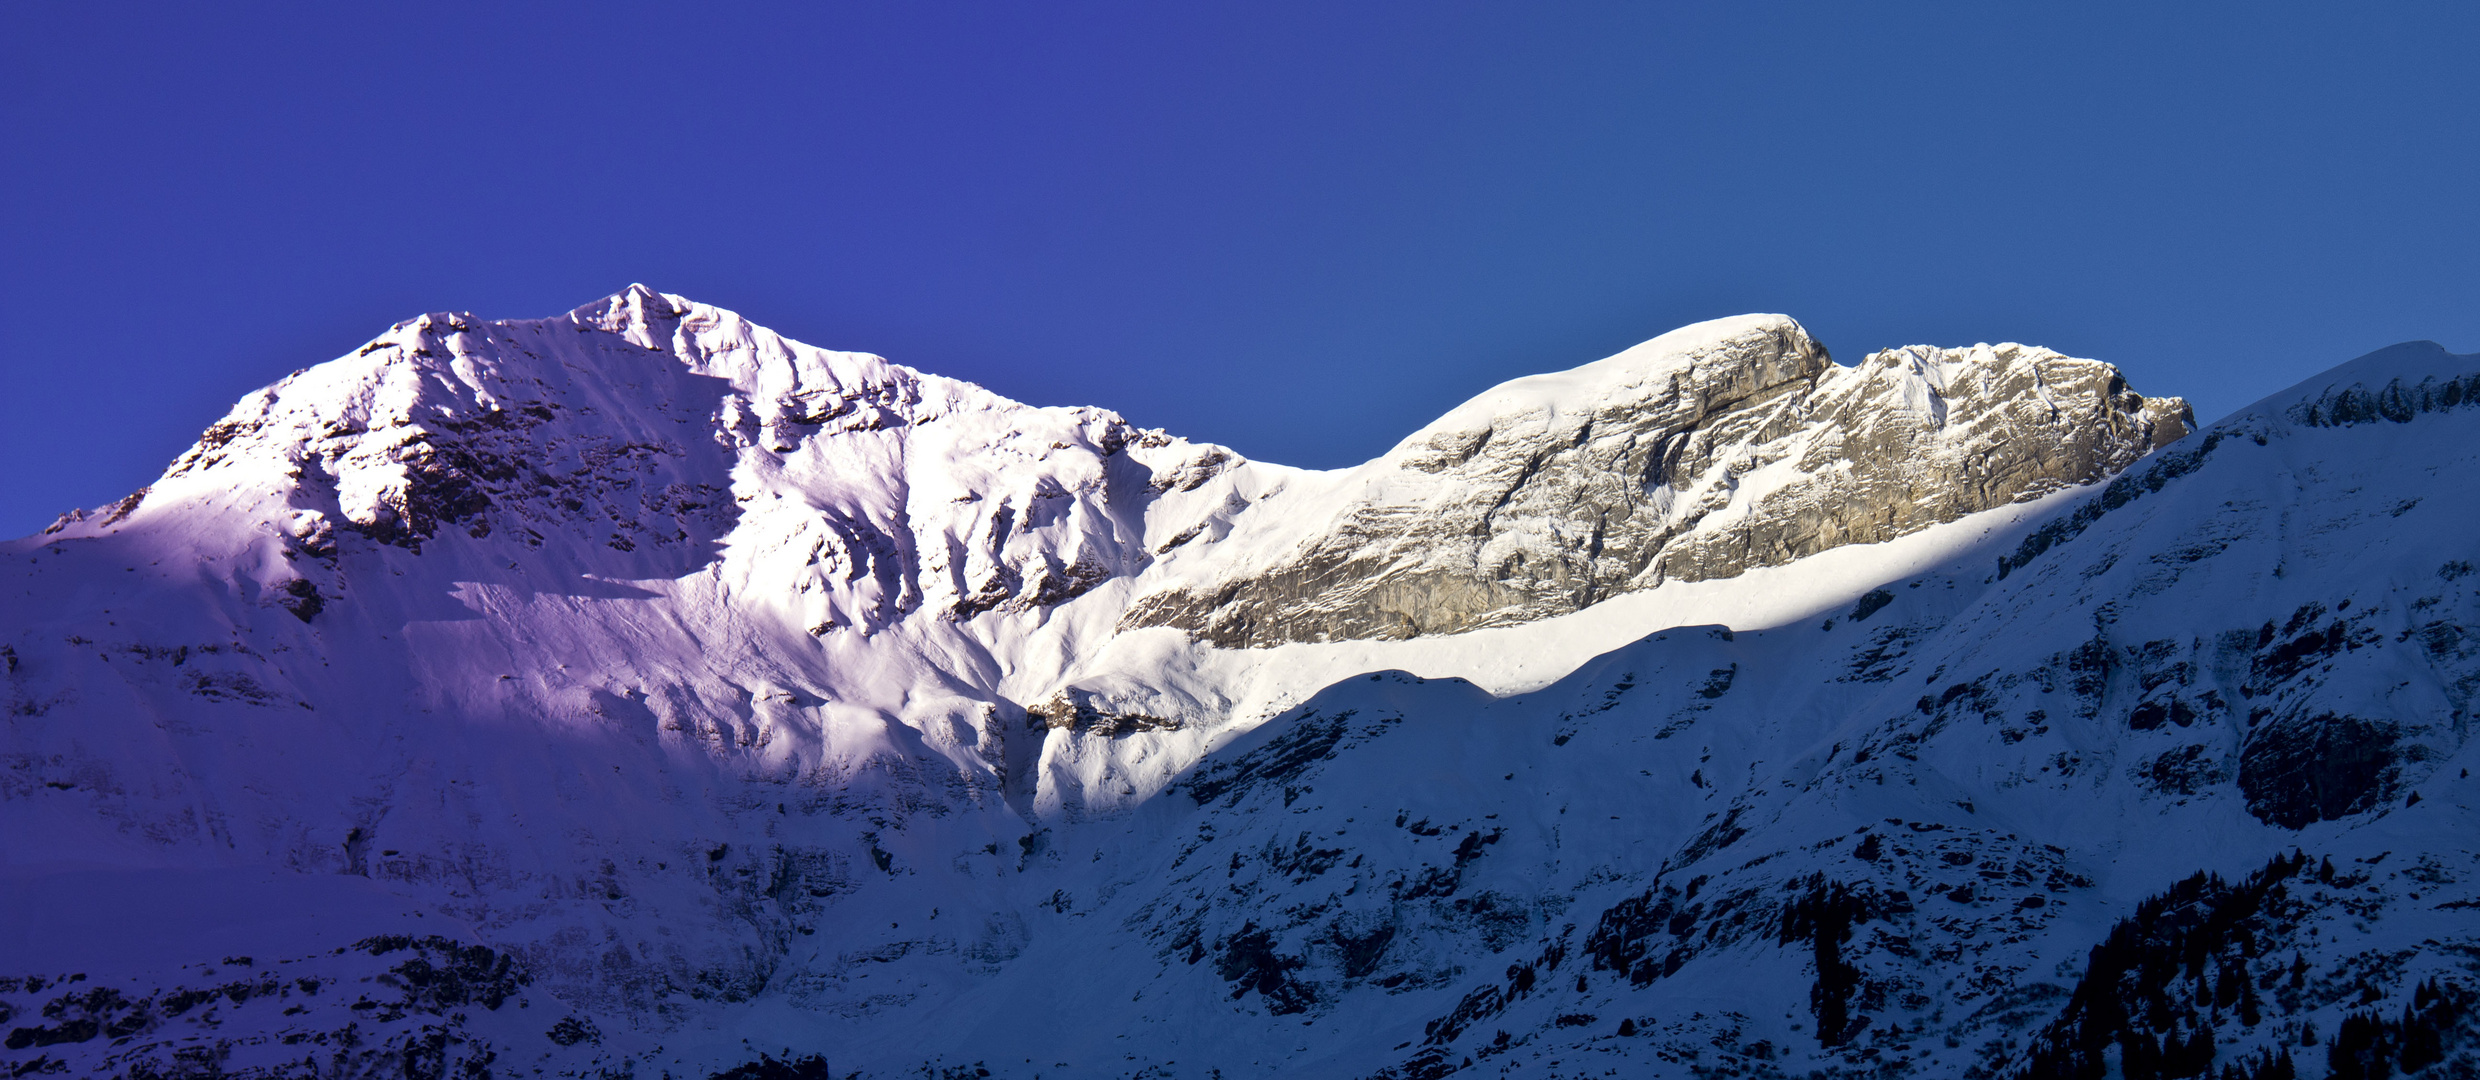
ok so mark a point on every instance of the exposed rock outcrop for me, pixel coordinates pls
(1700, 454)
(1083, 711)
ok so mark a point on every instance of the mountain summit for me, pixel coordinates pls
(1707, 451)
(639, 692)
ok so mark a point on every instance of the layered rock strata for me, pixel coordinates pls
(1700, 454)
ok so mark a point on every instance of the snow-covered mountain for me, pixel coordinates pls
(639, 693)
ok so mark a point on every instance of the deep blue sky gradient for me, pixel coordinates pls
(1299, 229)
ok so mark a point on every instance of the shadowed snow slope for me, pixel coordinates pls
(638, 692)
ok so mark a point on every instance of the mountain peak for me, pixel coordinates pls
(1702, 453)
(635, 305)
(2394, 384)
(1699, 366)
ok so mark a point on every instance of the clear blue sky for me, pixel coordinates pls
(1299, 229)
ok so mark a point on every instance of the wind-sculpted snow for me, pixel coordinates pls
(639, 693)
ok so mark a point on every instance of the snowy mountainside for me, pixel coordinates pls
(638, 693)
(649, 421)
(1947, 830)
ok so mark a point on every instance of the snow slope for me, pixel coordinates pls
(639, 691)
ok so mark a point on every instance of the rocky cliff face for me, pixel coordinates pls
(1699, 455)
